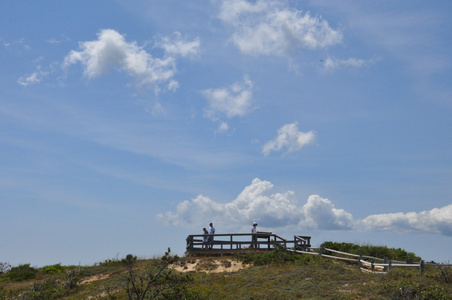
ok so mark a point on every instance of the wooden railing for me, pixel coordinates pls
(236, 242)
(365, 263)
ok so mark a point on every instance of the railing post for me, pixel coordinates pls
(390, 265)
(189, 242)
(322, 250)
(359, 260)
(422, 267)
(372, 266)
(385, 268)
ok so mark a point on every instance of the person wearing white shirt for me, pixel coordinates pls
(211, 231)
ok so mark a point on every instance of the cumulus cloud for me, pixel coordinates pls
(112, 51)
(283, 210)
(289, 138)
(232, 101)
(257, 203)
(271, 28)
(438, 220)
(320, 213)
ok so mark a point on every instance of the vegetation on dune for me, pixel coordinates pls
(154, 281)
(375, 251)
(277, 274)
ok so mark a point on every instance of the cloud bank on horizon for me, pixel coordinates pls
(283, 210)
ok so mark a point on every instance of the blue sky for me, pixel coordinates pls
(125, 126)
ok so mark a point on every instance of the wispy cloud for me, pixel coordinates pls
(290, 139)
(112, 51)
(178, 46)
(271, 28)
(16, 45)
(414, 37)
(35, 77)
(280, 210)
(331, 64)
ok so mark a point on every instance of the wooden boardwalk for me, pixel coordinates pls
(234, 243)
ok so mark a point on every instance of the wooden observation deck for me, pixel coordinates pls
(233, 243)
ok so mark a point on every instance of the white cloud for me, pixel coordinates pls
(173, 85)
(223, 127)
(270, 28)
(289, 138)
(256, 203)
(232, 101)
(33, 78)
(320, 213)
(282, 210)
(179, 46)
(331, 64)
(438, 220)
(111, 51)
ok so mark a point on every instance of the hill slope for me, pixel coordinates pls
(264, 276)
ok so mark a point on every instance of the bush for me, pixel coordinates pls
(157, 281)
(54, 269)
(22, 272)
(415, 290)
(111, 262)
(49, 289)
(375, 251)
(279, 256)
(4, 267)
(73, 278)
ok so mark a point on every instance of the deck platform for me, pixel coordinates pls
(235, 243)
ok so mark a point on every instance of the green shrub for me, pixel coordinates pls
(279, 256)
(408, 289)
(21, 272)
(49, 289)
(111, 262)
(370, 250)
(54, 269)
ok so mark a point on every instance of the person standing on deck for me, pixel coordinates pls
(254, 237)
(205, 238)
(211, 231)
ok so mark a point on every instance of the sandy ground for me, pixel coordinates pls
(208, 265)
(94, 278)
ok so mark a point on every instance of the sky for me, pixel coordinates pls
(126, 126)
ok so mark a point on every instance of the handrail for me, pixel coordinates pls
(239, 241)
